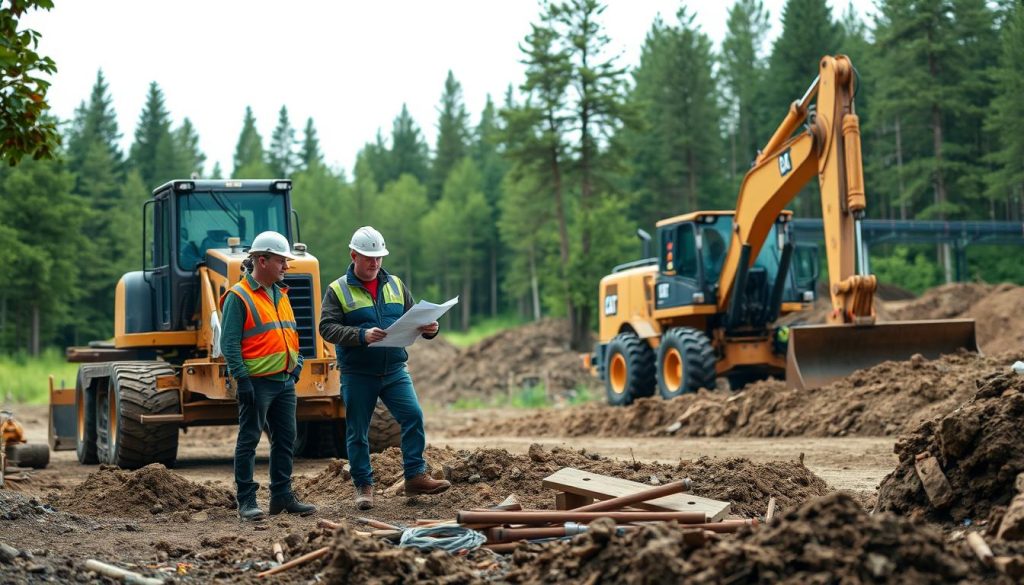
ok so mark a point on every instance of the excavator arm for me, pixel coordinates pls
(828, 148)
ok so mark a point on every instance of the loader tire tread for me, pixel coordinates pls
(137, 444)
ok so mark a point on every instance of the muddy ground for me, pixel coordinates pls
(822, 456)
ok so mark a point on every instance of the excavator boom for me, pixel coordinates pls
(828, 148)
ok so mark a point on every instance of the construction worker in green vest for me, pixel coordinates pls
(356, 310)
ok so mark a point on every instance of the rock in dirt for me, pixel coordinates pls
(113, 491)
(826, 540)
(979, 447)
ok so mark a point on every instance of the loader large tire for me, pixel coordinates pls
(384, 429)
(686, 362)
(317, 439)
(628, 369)
(85, 425)
(122, 439)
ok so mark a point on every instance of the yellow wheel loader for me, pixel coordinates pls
(706, 306)
(163, 372)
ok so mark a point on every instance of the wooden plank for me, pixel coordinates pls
(603, 487)
(568, 501)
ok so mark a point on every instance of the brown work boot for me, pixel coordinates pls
(364, 497)
(424, 484)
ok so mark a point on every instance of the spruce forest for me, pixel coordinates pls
(522, 207)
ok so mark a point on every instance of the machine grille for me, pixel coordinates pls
(300, 293)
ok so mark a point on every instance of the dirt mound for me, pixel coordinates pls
(509, 361)
(484, 477)
(888, 399)
(979, 446)
(995, 309)
(150, 490)
(356, 559)
(826, 540)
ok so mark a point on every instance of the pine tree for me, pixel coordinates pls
(153, 153)
(1006, 119)
(486, 152)
(309, 153)
(808, 33)
(281, 157)
(95, 121)
(249, 157)
(452, 135)
(186, 141)
(744, 73)
(677, 151)
(409, 152)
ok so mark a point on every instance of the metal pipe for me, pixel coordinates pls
(643, 496)
(559, 517)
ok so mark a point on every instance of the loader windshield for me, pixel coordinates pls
(206, 219)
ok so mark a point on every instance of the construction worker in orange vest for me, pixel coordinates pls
(260, 344)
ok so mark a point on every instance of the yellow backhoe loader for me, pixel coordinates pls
(163, 371)
(707, 305)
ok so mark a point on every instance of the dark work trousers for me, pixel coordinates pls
(395, 390)
(275, 411)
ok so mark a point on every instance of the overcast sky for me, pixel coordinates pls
(350, 65)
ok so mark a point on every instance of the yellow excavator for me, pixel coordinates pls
(164, 372)
(708, 304)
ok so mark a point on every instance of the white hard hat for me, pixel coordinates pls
(273, 243)
(368, 242)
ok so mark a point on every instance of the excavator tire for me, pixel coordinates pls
(628, 369)
(85, 417)
(384, 430)
(686, 362)
(121, 439)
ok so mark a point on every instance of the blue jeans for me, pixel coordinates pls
(275, 412)
(360, 393)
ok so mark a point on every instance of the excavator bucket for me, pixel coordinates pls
(820, 354)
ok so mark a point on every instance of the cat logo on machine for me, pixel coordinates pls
(611, 305)
(785, 163)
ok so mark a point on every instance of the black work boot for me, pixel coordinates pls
(290, 504)
(248, 510)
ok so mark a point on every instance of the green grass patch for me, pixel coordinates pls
(482, 329)
(24, 378)
(532, 397)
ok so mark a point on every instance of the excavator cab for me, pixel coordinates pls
(692, 253)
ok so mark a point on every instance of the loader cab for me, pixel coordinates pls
(692, 252)
(190, 217)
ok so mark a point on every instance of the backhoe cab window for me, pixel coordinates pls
(207, 219)
(715, 243)
(679, 251)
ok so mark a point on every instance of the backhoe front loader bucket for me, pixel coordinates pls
(820, 354)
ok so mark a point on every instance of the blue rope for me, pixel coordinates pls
(447, 537)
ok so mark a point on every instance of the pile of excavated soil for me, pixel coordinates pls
(358, 559)
(150, 490)
(484, 477)
(888, 399)
(979, 447)
(826, 540)
(996, 310)
(503, 364)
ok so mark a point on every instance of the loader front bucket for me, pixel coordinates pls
(820, 354)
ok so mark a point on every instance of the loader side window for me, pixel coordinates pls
(679, 251)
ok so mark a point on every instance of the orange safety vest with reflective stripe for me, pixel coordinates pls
(270, 338)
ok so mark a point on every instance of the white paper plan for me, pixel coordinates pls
(405, 331)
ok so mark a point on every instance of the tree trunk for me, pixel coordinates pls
(467, 292)
(899, 168)
(494, 279)
(34, 348)
(534, 286)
